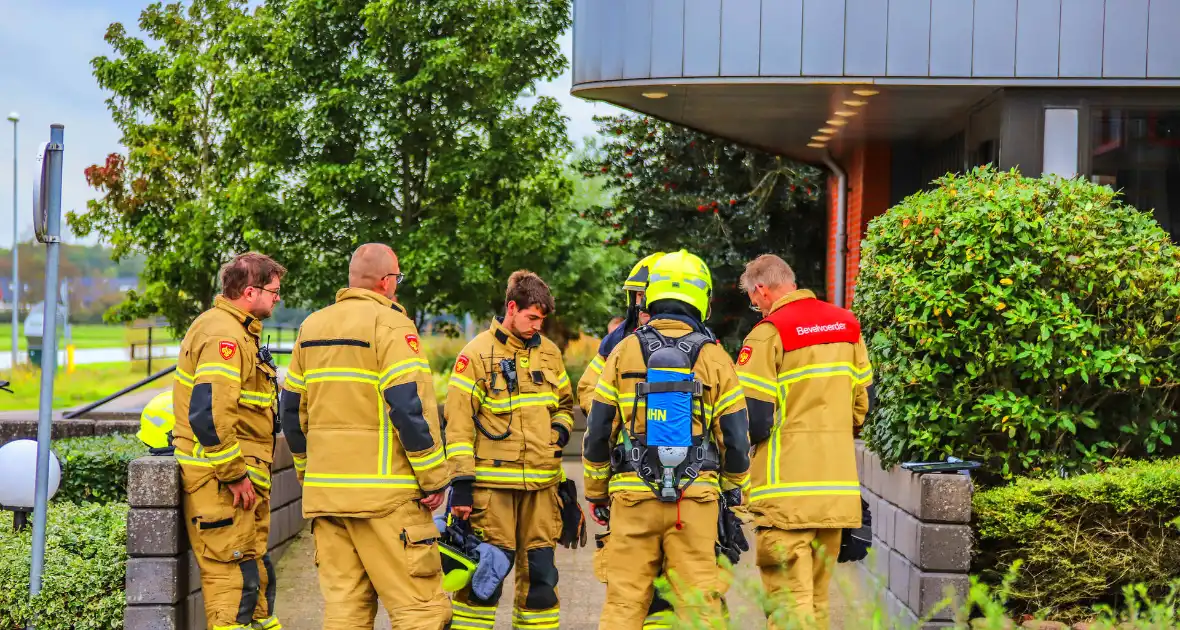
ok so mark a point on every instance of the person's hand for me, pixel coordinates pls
(600, 513)
(461, 512)
(243, 491)
(432, 501)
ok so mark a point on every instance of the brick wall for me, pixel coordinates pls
(163, 581)
(868, 170)
(922, 542)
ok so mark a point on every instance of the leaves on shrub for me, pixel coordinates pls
(94, 469)
(1032, 324)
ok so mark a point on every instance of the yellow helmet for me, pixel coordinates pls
(156, 421)
(681, 276)
(457, 567)
(637, 279)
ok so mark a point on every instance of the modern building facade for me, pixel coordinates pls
(890, 94)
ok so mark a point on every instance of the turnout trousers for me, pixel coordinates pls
(644, 541)
(526, 525)
(237, 576)
(796, 567)
(394, 558)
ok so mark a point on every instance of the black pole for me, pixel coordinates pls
(149, 357)
(130, 388)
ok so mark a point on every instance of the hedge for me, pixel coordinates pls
(1082, 539)
(94, 469)
(85, 569)
(1027, 323)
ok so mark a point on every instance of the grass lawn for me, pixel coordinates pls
(86, 336)
(87, 384)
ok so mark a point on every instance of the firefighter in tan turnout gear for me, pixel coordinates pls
(359, 415)
(224, 397)
(666, 435)
(805, 370)
(508, 413)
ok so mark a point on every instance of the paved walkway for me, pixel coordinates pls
(300, 605)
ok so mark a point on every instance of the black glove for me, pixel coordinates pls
(573, 522)
(733, 497)
(731, 540)
(461, 493)
(855, 543)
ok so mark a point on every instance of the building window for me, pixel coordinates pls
(1138, 152)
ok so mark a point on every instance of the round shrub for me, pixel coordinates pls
(1033, 324)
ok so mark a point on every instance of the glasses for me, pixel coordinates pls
(400, 277)
(754, 307)
(275, 291)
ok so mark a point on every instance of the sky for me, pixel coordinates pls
(45, 52)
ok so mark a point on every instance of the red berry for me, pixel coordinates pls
(733, 202)
(628, 176)
(605, 169)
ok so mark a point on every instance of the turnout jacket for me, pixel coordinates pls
(720, 413)
(535, 420)
(805, 370)
(589, 378)
(223, 399)
(358, 410)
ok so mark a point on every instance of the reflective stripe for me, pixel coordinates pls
(785, 379)
(728, 400)
(300, 463)
(430, 460)
(505, 405)
(520, 475)
(157, 420)
(258, 399)
(270, 623)
(463, 383)
(597, 472)
(630, 481)
(201, 457)
(401, 368)
(295, 381)
(563, 380)
(819, 370)
(260, 477)
(345, 375)
(459, 449)
(864, 377)
(564, 418)
(472, 617)
(218, 369)
(608, 392)
(530, 620)
(804, 489)
(758, 384)
(596, 364)
(659, 621)
(184, 378)
(323, 480)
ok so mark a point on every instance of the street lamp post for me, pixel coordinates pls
(14, 118)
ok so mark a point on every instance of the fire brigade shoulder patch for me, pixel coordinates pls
(412, 342)
(227, 349)
(744, 355)
(461, 363)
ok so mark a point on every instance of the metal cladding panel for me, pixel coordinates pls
(1081, 38)
(1124, 46)
(1163, 42)
(782, 38)
(586, 55)
(1038, 26)
(702, 38)
(993, 41)
(741, 26)
(637, 39)
(610, 33)
(823, 38)
(667, 38)
(950, 38)
(866, 30)
(908, 52)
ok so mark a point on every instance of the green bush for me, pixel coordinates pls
(94, 469)
(1028, 323)
(85, 568)
(1081, 539)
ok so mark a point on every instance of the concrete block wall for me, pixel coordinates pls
(922, 540)
(163, 582)
(12, 429)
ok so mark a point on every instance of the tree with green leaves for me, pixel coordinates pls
(677, 188)
(185, 194)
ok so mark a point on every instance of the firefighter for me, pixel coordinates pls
(633, 286)
(223, 398)
(666, 435)
(805, 370)
(359, 415)
(156, 423)
(508, 414)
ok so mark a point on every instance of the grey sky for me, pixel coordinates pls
(45, 52)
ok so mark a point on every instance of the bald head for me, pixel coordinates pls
(370, 268)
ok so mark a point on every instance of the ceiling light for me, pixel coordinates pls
(837, 122)
(655, 95)
(829, 130)
(845, 113)
(816, 145)
(821, 138)
(856, 103)
(865, 92)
